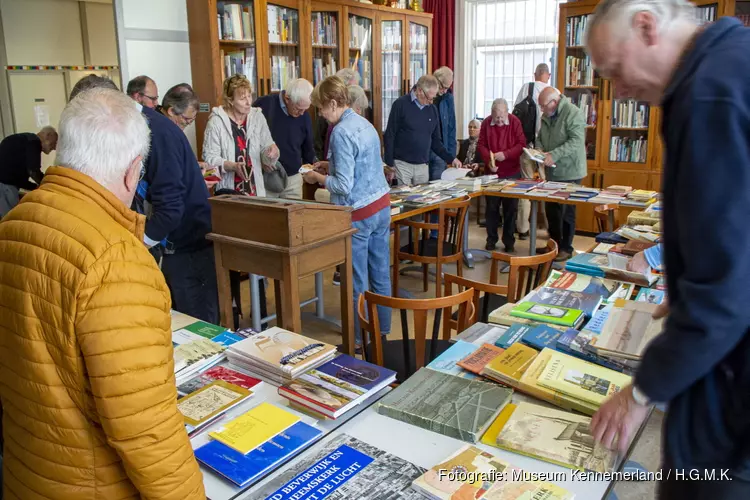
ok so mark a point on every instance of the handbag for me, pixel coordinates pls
(276, 180)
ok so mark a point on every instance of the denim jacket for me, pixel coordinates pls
(355, 169)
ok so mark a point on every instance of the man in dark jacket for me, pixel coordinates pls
(21, 159)
(446, 108)
(700, 364)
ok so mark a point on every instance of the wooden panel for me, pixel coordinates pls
(638, 180)
(655, 181)
(324, 257)
(268, 264)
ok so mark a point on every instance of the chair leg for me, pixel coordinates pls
(460, 267)
(425, 276)
(439, 279)
(394, 281)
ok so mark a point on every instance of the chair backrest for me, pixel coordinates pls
(602, 214)
(481, 302)
(368, 318)
(451, 220)
(525, 273)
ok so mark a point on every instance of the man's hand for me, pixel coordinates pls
(548, 161)
(499, 156)
(457, 163)
(618, 418)
(638, 263)
(321, 167)
(313, 177)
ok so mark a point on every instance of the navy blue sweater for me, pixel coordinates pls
(177, 192)
(293, 136)
(412, 133)
(701, 363)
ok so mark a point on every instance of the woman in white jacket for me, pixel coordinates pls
(236, 136)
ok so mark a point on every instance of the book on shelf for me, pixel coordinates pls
(426, 400)
(279, 354)
(254, 427)
(337, 386)
(580, 283)
(486, 477)
(628, 150)
(220, 372)
(244, 469)
(510, 365)
(284, 69)
(344, 467)
(586, 302)
(207, 404)
(627, 113)
(324, 28)
(363, 66)
(239, 62)
(707, 14)
(323, 67)
(283, 24)
(575, 27)
(553, 314)
(477, 360)
(579, 72)
(236, 23)
(552, 435)
(448, 360)
(481, 333)
(628, 330)
(580, 379)
(360, 33)
(586, 102)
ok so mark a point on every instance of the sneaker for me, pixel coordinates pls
(523, 236)
(490, 246)
(337, 279)
(563, 256)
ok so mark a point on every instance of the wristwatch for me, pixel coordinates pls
(639, 397)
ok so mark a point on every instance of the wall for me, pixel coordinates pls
(152, 40)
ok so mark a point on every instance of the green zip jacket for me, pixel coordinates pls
(564, 137)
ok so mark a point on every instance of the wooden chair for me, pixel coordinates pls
(494, 297)
(396, 354)
(526, 273)
(606, 217)
(446, 249)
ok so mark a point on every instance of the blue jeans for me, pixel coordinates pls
(437, 167)
(371, 251)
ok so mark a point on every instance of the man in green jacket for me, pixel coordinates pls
(563, 139)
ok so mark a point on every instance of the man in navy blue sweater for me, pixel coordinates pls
(291, 129)
(654, 50)
(413, 131)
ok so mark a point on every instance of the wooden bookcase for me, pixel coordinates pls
(623, 137)
(284, 39)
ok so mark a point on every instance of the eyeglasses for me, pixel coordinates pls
(188, 120)
(426, 96)
(155, 100)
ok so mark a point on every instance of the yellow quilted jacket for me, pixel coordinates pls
(86, 369)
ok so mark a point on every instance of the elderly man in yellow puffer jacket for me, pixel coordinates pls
(86, 368)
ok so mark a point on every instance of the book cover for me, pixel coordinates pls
(477, 360)
(481, 333)
(623, 291)
(510, 365)
(448, 361)
(513, 334)
(206, 403)
(487, 478)
(557, 315)
(633, 247)
(581, 379)
(357, 372)
(629, 328)
(344, 467)
(244, 469)
(555, 436)
(254, 427)
(586, 302)
(570, 344)
(217, 373)
(651, 296)
(541, 336)
(427, 399)
(580, 283)
(502, 316)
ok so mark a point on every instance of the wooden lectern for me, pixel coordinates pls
(284, 240)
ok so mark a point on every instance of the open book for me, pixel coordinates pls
(536, 155)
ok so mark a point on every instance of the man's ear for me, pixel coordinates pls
(133, 174)
(646, 27)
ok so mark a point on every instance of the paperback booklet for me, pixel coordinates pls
(510, 365)
(476, 361)
(555, 436)
(586, 302)
(337, 386)
(243, 469)
(220, 372)
(427, 399)
(344, 468)
(557, 315)
(481, 333)
(205, 404)
(627, 331)
(484, 477)
(513, 334)
(541, 336)
(651, 296)
(581, 283)
(254, 427)
(502, 316)
(448, 361)
(581, 379)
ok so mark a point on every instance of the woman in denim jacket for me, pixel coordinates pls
(354, 177)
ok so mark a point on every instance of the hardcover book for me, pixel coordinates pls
(580, 283)
(555, 436)
(586, 302)
(344, 468)
(477, 360)
(448, 361)
(581, 379)
(587, 263)
(513, 334)
(428, 399)
(510, 365)
(542, 313)
(541, 336)
(628, 330)
(487, 478)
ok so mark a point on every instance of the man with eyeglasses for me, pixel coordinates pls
(143, 90)
(413, 132)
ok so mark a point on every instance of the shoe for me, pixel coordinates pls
(490, 247)
(337, 279)
(523, 236)
(563, 256)
(510, 249)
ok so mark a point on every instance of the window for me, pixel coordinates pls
(507, 39)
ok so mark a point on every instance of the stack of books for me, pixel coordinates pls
(627, 331)
(586, 302)
(640, 198)
(520, 187)
(547, 313)
(278, 355)
(220, 372)
(584, 193)
(335, 387)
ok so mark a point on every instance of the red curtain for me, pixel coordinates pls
(443, 31)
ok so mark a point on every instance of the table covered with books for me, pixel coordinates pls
(278, 415)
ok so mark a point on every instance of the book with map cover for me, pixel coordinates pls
(206, 404)
(449, 405)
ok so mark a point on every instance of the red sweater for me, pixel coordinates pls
(508, 139)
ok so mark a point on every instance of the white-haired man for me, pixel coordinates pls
(86, 372)
(655, 51)
(413, 132)
(501, 143)
(446, 108)
(291, 129)
(530, 92)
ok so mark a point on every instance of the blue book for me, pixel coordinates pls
(541, 336)
(612, 238)
(596, 323)
(567, 343)
(513, 334)
(244, 469)
(650, 295)
(446, 362)
(586, 302)
(588, 262)
(358, 372)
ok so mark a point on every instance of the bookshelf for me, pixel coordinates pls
(326, 32)
(418, 43)
(359, 35)
(283, 31)
(237, 46)
(393, 82)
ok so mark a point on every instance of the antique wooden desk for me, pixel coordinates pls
(284, 240)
